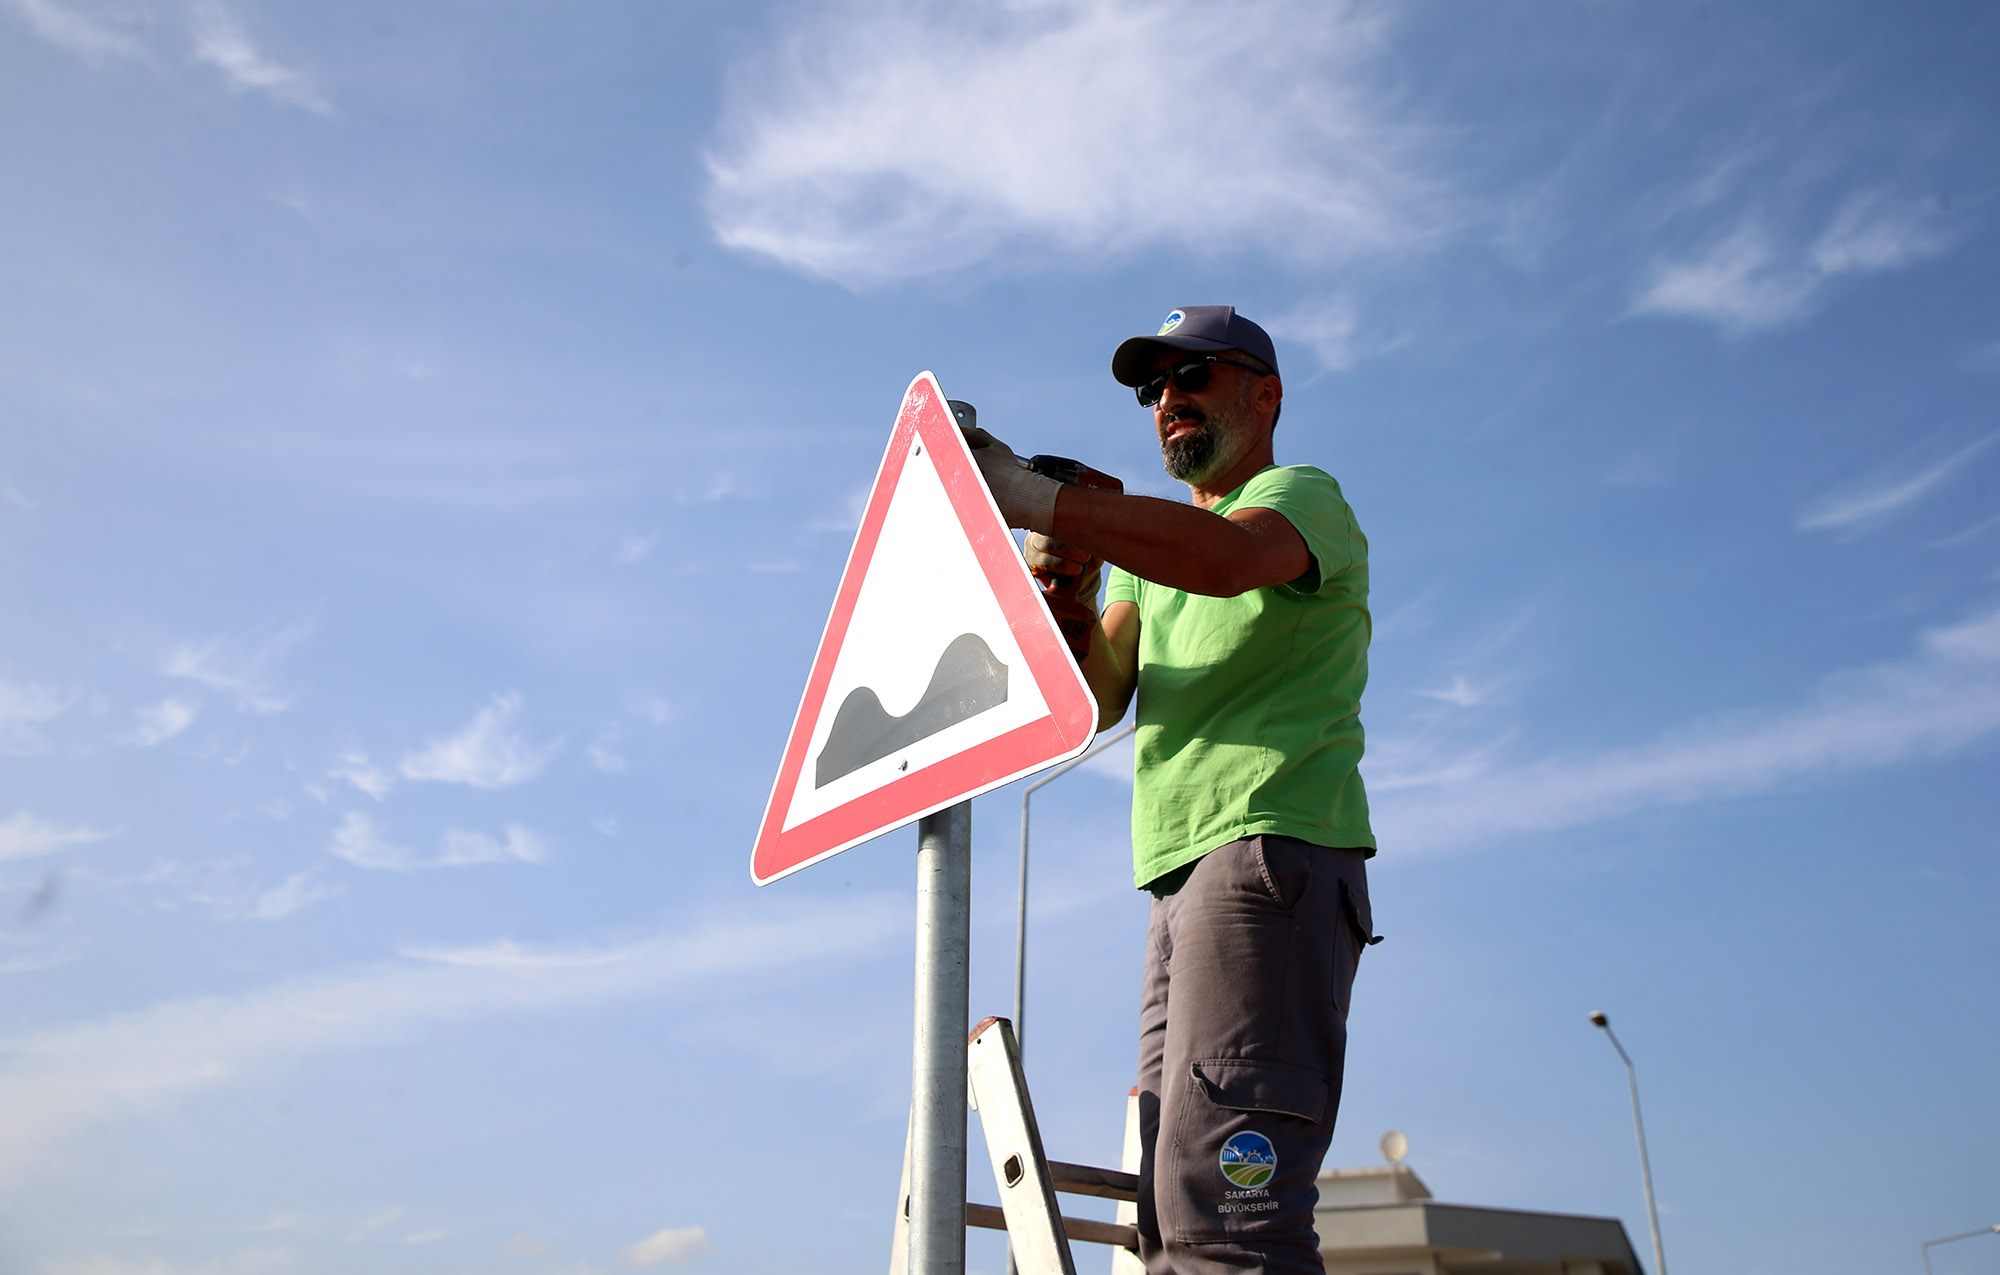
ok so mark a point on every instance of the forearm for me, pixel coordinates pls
(1164, 541)
(1112, 667)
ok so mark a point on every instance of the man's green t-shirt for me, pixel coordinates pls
(1250, 707)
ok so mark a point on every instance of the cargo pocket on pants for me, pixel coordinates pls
(1247, 1146)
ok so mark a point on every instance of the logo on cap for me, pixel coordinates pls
(1248, 1159)
(1173, 321)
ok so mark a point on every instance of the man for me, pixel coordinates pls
(1241, 622)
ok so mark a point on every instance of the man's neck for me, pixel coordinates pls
(1209, 492)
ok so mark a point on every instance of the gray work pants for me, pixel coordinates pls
(1242, 1041)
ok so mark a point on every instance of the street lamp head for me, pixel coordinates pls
(1597, 1016)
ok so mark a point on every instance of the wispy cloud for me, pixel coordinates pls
(486, 754)
(244, 667)
(160, 722)
(225, 900)
(1754, 278)
(25, 709)
(359, 841)
(1461, 693)
(300, 890)
(605, 757)
(1944, 697)
(67, 29)
(1325, 328)
(636, 549)
(56, 1081)
(460, 848)
(1877, 501)
(668, 1247)
(221, 42)
(25, 835)
(355, 768)
(883, 142)
(271, 1260)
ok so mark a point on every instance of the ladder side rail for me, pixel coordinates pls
(1124, 1261)
(1034, 1223)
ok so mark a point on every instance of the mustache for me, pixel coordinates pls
(1179, 414)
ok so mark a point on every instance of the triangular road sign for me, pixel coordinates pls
(940, 675)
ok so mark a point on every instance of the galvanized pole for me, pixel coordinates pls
(937, 1089)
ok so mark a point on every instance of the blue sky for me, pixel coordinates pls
(430, 438)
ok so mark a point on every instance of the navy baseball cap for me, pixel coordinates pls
(1205, 329)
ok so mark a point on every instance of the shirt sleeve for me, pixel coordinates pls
(1123, 586)
(1310, 500)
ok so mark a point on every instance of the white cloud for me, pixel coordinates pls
(668, 1247)
(634, 549)
(606, 758)
(253, 1261)
(25, 836)
(160, 722)
(889, 141)
(300, 890)
(24, 710)
(1751, 280)
(1461, 693)
(362, 844)
(1879, 230)
(486, 754)
(1740, 283)
(1876, 502)
(221, 42)
(68, 29)
(56, 1081)
(459, 848)
(1943, 698)
(365, 775)
(1327, 329)
(359, 841)
(241, 668)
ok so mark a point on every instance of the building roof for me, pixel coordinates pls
(1385, 1215)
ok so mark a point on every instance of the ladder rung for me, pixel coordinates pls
(1082, 1179)
(1085, 1229)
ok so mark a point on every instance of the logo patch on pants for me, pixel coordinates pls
(1248, 1159)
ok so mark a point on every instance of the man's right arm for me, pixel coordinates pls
(1112, 667)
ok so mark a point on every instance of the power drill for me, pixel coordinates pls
(1061, 593)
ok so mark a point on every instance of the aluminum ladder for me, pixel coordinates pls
(1038, 1235)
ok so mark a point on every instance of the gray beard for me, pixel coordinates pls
(1213, 445)
(1190, 457)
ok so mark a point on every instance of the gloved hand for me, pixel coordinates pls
(1048, 557)
(1068, 578)
(1026, 499)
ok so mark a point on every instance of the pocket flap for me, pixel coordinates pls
(1263, 1086)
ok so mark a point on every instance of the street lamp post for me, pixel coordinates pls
(1021, 912)
(1645, 1167)
(1924, 1249)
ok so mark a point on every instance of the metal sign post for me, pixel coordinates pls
(937, 1089)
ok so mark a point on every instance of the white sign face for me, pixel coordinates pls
(941, 674)
(923, 595)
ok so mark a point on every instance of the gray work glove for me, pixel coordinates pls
(1048, 556)
(1026, 499)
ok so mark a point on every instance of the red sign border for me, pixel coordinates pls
(1063, 732)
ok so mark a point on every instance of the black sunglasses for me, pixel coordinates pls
(1188, 378)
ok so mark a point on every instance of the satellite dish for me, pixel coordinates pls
(1395, 1146)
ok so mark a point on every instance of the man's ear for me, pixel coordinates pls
(1270, 393)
